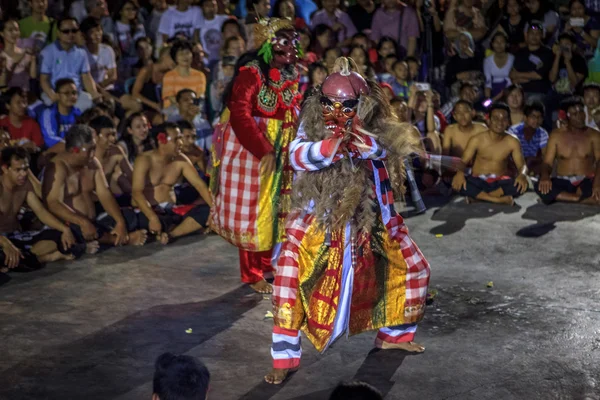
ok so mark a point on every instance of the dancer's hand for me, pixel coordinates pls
(267, 163)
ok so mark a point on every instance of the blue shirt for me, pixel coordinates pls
(59, 63)
(537, 143)
(54, 125)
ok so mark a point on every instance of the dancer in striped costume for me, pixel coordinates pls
(347, 264)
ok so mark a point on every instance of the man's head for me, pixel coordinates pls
(231, 28)
(182, 53)
(80, 144)
(499, 117)
(185, 99)
(67, 92)
(468, 92)
(262, 7)
(413, 67)
(209, 9)
(39, 7)
(534, 114)
(330, 5)
(400, 70)
(355, 391)
(92, 30)
(463, 113)
(361, 40)
(591, 95)
(170, 139)
(96, 8)
(534, 33)
(180, 378)
(68, 28)
(388, 63)
(106, 133)
(575, 110)
(566, 41)
(15, 164)
(189, 134)
(16, 102)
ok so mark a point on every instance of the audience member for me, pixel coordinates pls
(399, 22)
(145, 88)
(532, 136)
(257, 10)
(128, 29)
(98, 10)
(189, 108)
(183, 19)
(317, 72)
(287, 9)
(38, 26)
(465, 65)
(362, 14)
(180, 378)
(183, 76)
(513, 25)
(23, 130)
(153, 21)
(145, 54)
(57, 119)
(515, 98)
(361, 58)
(591, 100)
(210, 31)
(332, 16)
(464, 17)
(414, 67)
(457, 135)
(20, 65)
(399, 82)
(329, 56)
(135, 137)
(584, 28)
(323, 40)
(197, 156)
(497, 67)
(540, 10)
(355, 390)
(101, 57)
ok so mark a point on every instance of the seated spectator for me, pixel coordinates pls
(117, 169)
(332, 16)
(324, 39)
(317, 72)
(150, 77)
(218, 85)
(155, 196)
(24, 131)
(457, 135)
(28, 251)
(128, 29)
(101, 57)
(152, 23)
(532, 64)
(489, 152)
(233, 47)
(463, 16)
(400, 84)
(20, 65)
(414, 68)
(399, 22)
(497, 67)
(257, 10)
(96, 9)
(466, 91)
(513, 25)
(385, 47)
(135, 137)
(180, 378)
(355, 391)
(388, 75)
(72, 179)
(437, 107)
(308, 56)
(233, 28)
(189, 108)
(540, 10)
(197, 156)
(532, 136)
(287, 9)
(145, 54)
(591, 100)
(387, 91)
(210, 31)
(183, 19)
(586, 35)
(62, 59)
(362, 14)
(183, 76)
(38, 27)
(424, 119)
(515, 98)
(361, 58)
(576, 151)
(465, 65)
(57, 119)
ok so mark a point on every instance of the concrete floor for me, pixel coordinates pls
(92, 329)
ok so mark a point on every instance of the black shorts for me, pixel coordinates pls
(477, 185)
(560, 185)
(170, 215)
(104, 223)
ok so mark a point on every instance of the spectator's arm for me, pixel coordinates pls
(89, 84)
(48, 128)
(36, 135)
(553, 76)
(574, 77)
(136, 92)
(33, 67)
(47, 87)
(111, 77)
(450, 29)
(591, 37)
(411, 46)
(517, 156)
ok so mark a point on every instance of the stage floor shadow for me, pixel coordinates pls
(546, 217)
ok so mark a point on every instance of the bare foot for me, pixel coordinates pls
(507, 200)
(163, 238)
(278, 375)
(92, 247)
(56, 256)
(411, 347)
(263, 287)
(138, 238)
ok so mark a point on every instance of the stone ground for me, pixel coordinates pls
(92, 329)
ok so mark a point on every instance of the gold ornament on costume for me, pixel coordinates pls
(266, 28)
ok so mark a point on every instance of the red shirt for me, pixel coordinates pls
(29, 130)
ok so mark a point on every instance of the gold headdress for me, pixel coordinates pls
(266, 28)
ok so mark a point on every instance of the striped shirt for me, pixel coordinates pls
(173, 83)
(537, 142)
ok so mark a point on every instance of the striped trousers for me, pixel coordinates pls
(286, 348)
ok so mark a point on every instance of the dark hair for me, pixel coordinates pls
(567, 35)
(180, 45)
(88, 24)
(534, 106)
(586, 87)
(514, 87)
(336, 49)
(504, 36)
(13, 153)
(321, 29)
(127, 138)
(180, 378)
(464, 103)
(571, 102)
(413, 59)
(233, 21)
(183, 124)
(166, 126)
(582, 2)
(231, 39)
(355, 390)
(5, 20)
(360, 35)
(387, 39)
(101, 122)
(306, 31)
(182, 92)
(143, 39)
(314, 67)
(278, 3)
(397, 99)
(12, 92)
(241, 62)
(78, 135)
(63, 82)
(133, 23)
(65, 18)
(498, 105)
(466, 84)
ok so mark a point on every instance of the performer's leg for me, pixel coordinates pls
(252, 265)
(398, 337)
(286, 349)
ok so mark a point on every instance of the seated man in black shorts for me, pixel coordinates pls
(155, 174)
(71, 181)
(576, 148)
(27, 251)
(490, 151)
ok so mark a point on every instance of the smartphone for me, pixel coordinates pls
(577, 22)
(487, 103)
(422, 86)
(198, 101)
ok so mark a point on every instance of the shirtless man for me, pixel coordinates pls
(27, 251)
(489, 152)
(190, 148)
(155, 174)
(457, 135)
(118, 170)
(576, 148)
(73, 179)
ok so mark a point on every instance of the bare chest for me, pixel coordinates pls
(575, 146)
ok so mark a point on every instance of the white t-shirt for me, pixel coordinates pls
(125, 41)
(173, 22)
(101, 62)
(210, 35)
(495, 75)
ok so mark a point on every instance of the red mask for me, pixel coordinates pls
(284, 48)
(341, 92)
